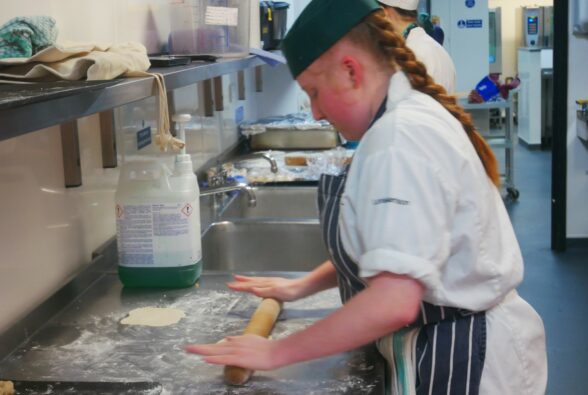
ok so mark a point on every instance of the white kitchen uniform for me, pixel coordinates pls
(417, 202)
(434, 56)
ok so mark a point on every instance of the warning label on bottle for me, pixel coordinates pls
(161, 235)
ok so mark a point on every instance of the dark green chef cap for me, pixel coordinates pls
(320, 25)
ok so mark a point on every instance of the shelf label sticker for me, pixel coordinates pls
(221, 16)
(239, 114)
(144, 137)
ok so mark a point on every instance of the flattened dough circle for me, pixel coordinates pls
(153, 316)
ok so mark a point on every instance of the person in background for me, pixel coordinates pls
(438, 33)
(403, 14)
(421, 246)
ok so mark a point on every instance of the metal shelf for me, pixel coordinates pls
(505, 140)
(498, 141)
(23, 114)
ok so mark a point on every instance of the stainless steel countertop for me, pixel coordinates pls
(86, 342)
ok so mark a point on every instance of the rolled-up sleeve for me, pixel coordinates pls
(396, 216)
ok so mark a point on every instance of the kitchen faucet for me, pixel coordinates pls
(218, 176)
(260, 155)
(219, 185)
(218, 190)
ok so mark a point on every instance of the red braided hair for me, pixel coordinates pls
(376, 33)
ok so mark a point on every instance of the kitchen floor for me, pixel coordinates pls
(555, 284)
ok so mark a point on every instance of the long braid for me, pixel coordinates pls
(377, 33)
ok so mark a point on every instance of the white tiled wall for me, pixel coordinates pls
(48, 232)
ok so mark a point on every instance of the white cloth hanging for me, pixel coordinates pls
(74, 61)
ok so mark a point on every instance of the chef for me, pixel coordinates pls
(421, 246)
(403, 15)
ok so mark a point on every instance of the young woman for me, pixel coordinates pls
(421, 246)
(403, 15)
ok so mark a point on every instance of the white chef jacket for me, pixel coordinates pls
(434, 56)
(417, 202)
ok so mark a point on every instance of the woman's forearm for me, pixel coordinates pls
(322, 278)
(389, 303)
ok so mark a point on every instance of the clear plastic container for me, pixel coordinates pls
(158, 224)
(210, 27)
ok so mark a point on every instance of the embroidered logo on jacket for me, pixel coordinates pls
(391, 200)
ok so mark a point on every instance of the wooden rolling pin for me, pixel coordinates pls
(261, 324)
(6, 388)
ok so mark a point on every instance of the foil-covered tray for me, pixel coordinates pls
(294, 139)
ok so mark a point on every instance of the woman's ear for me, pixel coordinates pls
(353, 70)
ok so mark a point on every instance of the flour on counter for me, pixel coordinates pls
(154, 316)
(97, 346)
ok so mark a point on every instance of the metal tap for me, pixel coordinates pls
(260, 155)
(219, 190)
(218, 176)
(218, 184)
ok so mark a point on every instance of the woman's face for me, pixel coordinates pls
(334, 96)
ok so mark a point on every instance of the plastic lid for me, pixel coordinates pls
(181, 118)
(279, 5)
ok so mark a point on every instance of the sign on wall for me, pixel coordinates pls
(470, 24)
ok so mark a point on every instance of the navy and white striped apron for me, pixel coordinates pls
(449, 344)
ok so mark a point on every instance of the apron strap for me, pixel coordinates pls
(432, 314)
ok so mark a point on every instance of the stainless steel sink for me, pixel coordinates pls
(263, 245)
(276, 202)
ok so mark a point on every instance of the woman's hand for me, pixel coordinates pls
(248, 351)
(322, 277)
(283, 289)
(389, 303)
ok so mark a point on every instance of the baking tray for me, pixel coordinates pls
(295, 139)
